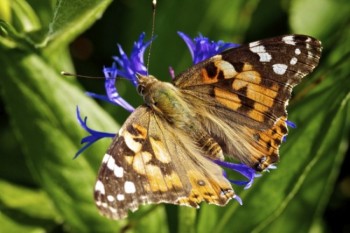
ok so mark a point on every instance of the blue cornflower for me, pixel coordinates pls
(134, 64)
(200, 48)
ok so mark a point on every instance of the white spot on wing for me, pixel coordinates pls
(105, 158)
(110, 198)
(253, 44)
(293, 61)
(104, 205)
(297, 51)
(308, 46)
(98, 203)
(260, 50)
(279, 68)
(99, 187)
(288, 40)
(120, 197)
(310, 54)
(113, 210)
(111, 163)
(118, 171)
(129, 187)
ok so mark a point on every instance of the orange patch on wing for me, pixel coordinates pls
(201, 188)
(206, 79)
(206, 189)
(238, 84)
(173, 180)
(142, 130)
(269, 141)
(263, 90)
(255, 92)
(275, 87)
(250, 76)
(260, 107)
(129, 159)
(260, 98)
(228, 99)
(247, 67)
(256, 115)
(155, 178)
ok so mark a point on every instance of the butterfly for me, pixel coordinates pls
(232, 104)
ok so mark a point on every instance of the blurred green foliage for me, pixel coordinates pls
(42, 189)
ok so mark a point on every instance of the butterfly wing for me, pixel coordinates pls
(150, 162)
(243, 93)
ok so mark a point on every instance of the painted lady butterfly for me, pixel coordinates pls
(232, 104)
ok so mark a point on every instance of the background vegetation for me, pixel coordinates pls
(42, 189)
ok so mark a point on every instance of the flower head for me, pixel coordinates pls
(202, 48)
(134, 64)
(128, 67)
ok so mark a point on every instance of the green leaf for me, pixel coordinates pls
(72, 17)
(305, 16)
(5, 10)
(41, 105)
(25, 17)
(26, 210)
(187, 219)
(42, 109)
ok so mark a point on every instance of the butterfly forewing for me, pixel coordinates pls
(254, 80)
(150, 162)
(247, 90)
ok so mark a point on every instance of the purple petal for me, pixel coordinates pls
(94, 135)
(202, 48)
(111, 90)
(243, 169)
(129, 66)
(118, 101)
(291, 124)
(238, 199)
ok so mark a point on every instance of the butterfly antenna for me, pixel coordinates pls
(154, 5)
(68, 74)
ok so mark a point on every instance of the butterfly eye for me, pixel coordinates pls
(141, 90)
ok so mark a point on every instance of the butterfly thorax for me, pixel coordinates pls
(167, 101)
